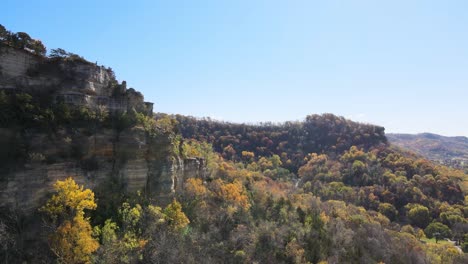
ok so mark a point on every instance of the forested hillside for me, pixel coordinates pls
(93, 183)
(339, 160)
(292, 141)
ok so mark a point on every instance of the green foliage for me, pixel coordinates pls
(21, 40)
(108, 232)
(154, 126)
(438, 230)
(66, 56)
(204, 150)
(130, 216)
(419, 215)
(452, 217)
(388, 210)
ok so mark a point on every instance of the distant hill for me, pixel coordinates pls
(451, 151)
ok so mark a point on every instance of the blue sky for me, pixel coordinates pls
(400, 64)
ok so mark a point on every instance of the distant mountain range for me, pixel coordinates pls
(451, 151)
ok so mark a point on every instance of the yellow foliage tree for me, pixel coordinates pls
(176, 218)
(69, 200)
(247, 155)
(72, 240)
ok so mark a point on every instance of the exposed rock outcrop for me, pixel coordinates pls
(32, 159)
(15, 63)
(139, 162)
(74, 82)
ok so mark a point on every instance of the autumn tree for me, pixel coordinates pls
(320, 167)
(247, 156)
(194, 188)
(176, 218)
(233, 194)
(71, 240)
(265, 163)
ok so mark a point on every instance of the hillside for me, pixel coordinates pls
(451, 151)
(89, 174)
(292, 141)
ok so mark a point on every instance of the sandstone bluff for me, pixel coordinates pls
(129, 156)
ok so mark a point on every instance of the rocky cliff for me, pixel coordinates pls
(35, 153)
(131, 158)
(74, 81)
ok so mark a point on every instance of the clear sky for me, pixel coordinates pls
(402, 64)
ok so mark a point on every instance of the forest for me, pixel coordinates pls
(326, 190)
(322, 190)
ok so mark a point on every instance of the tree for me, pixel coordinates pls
(58, 53)
(21, 40)
(437, 230)
(248, 156)
(195, 188)
(108, 234)
(38, 48)
(128, 247)
(276, 161)
(265, 163)
(176, 218)
(232, 194)
(108, 251)
(72, 240)
(419, 216)
(388, 210)
(3, 33)
(464, 246)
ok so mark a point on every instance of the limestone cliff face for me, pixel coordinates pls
(137, 161)
(75, 82)
(20, 69)
(15, 63)
(131, 158)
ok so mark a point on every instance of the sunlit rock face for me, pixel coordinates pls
(23, 70)
(72, 82)
(15, 63)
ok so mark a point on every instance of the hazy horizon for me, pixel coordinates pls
(399, 65)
